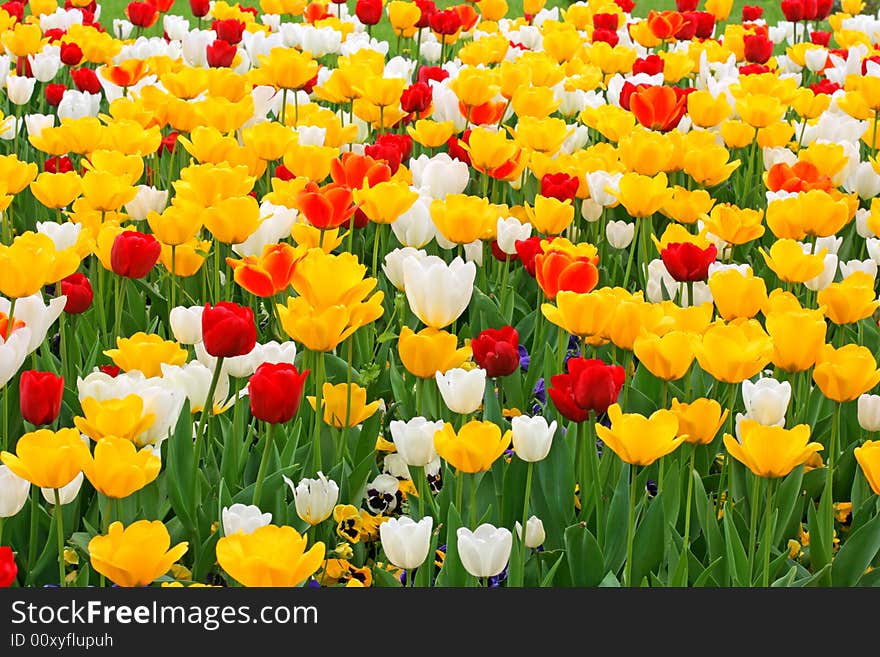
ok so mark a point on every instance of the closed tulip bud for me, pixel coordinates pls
(620, 233)
(314, 498)
(462, 390)
(422, 281)
(429, 351)
(485, 551)
(245, 518)
(135, 555)
(40, 396)
(19, 89)
(406, 543)
(766, 400)
(869, 412)
(868, 458)
(535, 534)
(78, 292)
(414, 440)
(186, 324)
(532, 437)
(228, 329)
(13, 492)
(275, 391)
(66, 494)
(771, 451)
(509, 230)
(393, 264)
(415, 228)
(133, 254)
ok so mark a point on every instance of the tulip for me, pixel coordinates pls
(846, 373)
(734, 351)
(868, 457)
(270, 556)
(797, 335)
(736, 294)
(48, 459)
(345, 405)
(640, 440)
(766, 400)
(134, 254)
(620, 234)
(119, 469)
(589, 385)
(8, 567)
(415, 228)
(535, 534)
(532, 437)
(314, 498)
(771, 451)
(414, 440)
(583, 315)
(77, 290)
(851, 300)
(462, 390)
(699, 420)
(496, 351)
(40, 396)
(667, 357)
(228, 329)
(550, 216)
(422, 281)
(186, 324)
(406, 543)
(558, 270)
(510, 230)
(135, 555)
(146, 353)
(869, 412)
(245, 518)
(788, 261)
(485, 551)
(13, 492)
(474, 448)
(122, 418)
(275, 391)
(393, 264)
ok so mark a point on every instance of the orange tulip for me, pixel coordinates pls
(270, 273)
(326, 207)
(127, 73)
(557, 271)
(488, 113)
(353, 170)
(658, 107)
(665, 24)
(802, 177)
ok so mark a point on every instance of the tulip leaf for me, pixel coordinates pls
(425, 572)
(704, 577)
(553, 490)
(491, 407)
(610, 581)
(616, 526)
(671, 490)
(820, 538)
(738, 563)
(856, 555)
(789, 503)
(548, 578)
(871, 579)
(786, 580)
(708, 519)
(515, 575)
(484, 313)
(385, 579)
(179, 469)
(400, 388)
(649, 543)
(814, 579)
(586, 563)
(453, 572)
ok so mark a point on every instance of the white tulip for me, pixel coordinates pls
(36, 123)
(824, 279)
(186, 324)
(275, 352)
(78, 104)
(532, 437)
(276, 223)
(66, 494)
(45, 64)
(393, 264)
(591, 211)
(851, 266)
(438, 293)
(314, 498)
(244, 518)
(439, 176)
(873, 244)
(195, 379)
(864, 181)
(473, 252)
(13, 351)
(122, 28)
(311, 135)
(415, 228)
(462, 390)
(414, 440)
(869, 412)
(406, 543)
(535, 534)
(602, 184)
(37, 316)
(148, 199)
(19, 89)
(237, 366)
(509, 231)
(176, 27)
(766, 400)
(63, 236)
(815, 59)
(485, 551)
(13, 492)
(620, 234)
(862, 216)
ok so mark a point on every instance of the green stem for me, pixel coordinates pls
(172, 292)
(525, 518)
(319, 391)
(690, 495)
(118, 302)
(459, 489)
(261, 473)
(59, 523)
(631, 525)
(768, 531)
(473, 501)
(343, 453)
(32, 533)
(207, 409)
(753, 523)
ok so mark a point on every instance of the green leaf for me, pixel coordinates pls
(402, 392)
(548, 578)
(453, 572)
(736, 553)
(856, 555)
(179, 470)
(789, 502)
(385, 579)
(785, 580)
(616, 527)
(706, 574)
(610, 581)
(648, 546)
(584, 556)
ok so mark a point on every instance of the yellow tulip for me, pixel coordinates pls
(269, 556)
(403, 17)
(550, 216)
(208, 184)
(135, 555)
(474, 86)
(647, 152)
(851, 300)
(759, 110)
(542, 135)
(706, 110)
(775, 135)
(710, 166)
(337, 399)
(789, 262)
(667, 357)
(734, 351)
(312, 162)
(31, 262)
(868, 457)
(737, 295)
(771, 451)
(735, 225)
(384, 202)
(56, 190)
(536, 102)
(233, 220)
(119, 469)
(188, 257)
(288, 68)
(640, 440)
(121, 418)
(146, 353)
(128, 168)
(737, 134)
(474, 448)
(699, 420)
(642, 196)
(583, 315)
(105, 191)
(797, 335)
(463, 219)
(323, 328)
(687, 206)
(48, 459)
(693, 319)
(348, 275)
(428, 133)
(16, 174)
(179, 222)
(631, 315)
(489, 149)
(429, 351)
(845, 373)
(382, 92)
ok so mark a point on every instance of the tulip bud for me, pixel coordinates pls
(766, 400)
(148, 199)
(406, 543)
(314, 498)
(228, 329)
(422, 279)
(245, 518)
(13, 492)
(485, 551)
(532, 437)
(620, 234)
(19, 89)
(8, 567)
(186, 324)
(535, 535)
(393, 265)
(66, 494)
(414, 440)
(415, 228)
(133, 254)
(869, 412)
(275, 391)
(40, 396)
(462, 390)
(591, 210)
(862, 216)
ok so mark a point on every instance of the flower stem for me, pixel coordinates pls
(319, 390)
(687, 504)
(59, 523)
(753, 523)
(207, 409)
(768, 530)
(261, 473)
(525, 519)
(631, 526)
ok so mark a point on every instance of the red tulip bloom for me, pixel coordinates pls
(228, 329)
(686, 262)
(110, 370)
(758, 48)
(428, 9)
(133, 254)
(8, 568)
(686, 5)
(55, 93)
(275, 391)
(705, 24)
(229, 30)
(200, 8)
(606, 22)
(527, 250)
(658, 107)
(453, 146)
(86, 79)
(40, 396)
(495, 350)
(162, 5)
(651, 65)
(665, 24)
(626, 6)
(353, 170)
(142, 14)
(822, 38)
(58, 164)
(168, 143)
(752, 13)
(627, 90)
(14, 8)
(589, 385)
(416, 98)
(560, 186)
(326, 207)
(78, 291)
(428, 73)
(390, 148)
(793, 10)
(220, 54)
(607, 36)
(71, 54)
(369, 12)
(688, 28)
(445, 22)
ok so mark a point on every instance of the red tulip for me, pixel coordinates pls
(606, 22)
(228, 329)
(560, 186)
(326, 207)
(527, 250)
(220, 54)
(445, 22)
(390, 148)
(495, 350)
(652, 65)
(752, 13)
(14, 8)
(758, 48)
(78, 291)
(275, 391)
(822, 38)
(142, 14)
(428, 9)
(369, 12)
(86, 79)
(687, 262)
(705, 22)
(416, 98)
(168, 143)
(54, 93)
(793, 10)
(58, 164)
(686, 5)
(453, 146)
(110, 370)
(428, 73)
(627, 90)
(608, 36)
(133, 254)
(71, 54)
(200, 8)
(658, 107)
(626, 6)
(589, 385)
(229, 30)
(40, 396)
(8, 568)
